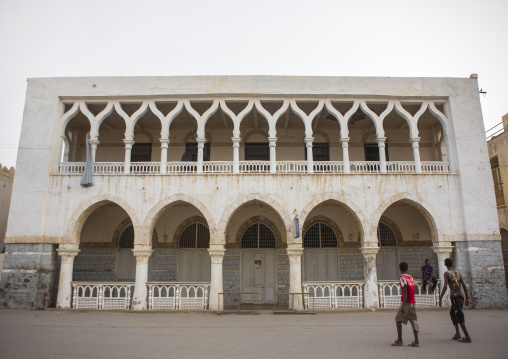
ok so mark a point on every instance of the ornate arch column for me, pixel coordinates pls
(370, 289)
(139, 299)
(215, 302)
(295, 277)
(67, 254)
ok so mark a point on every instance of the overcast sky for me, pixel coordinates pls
(325, 38)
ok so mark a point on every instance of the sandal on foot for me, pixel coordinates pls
(413, 344)
(397, 344)
(465, 340)
(456, 337)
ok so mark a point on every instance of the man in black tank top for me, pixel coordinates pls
(453, 278)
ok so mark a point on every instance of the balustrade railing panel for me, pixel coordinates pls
(328, 167)
(92, 295)
(71, 167)
(254, 166)
(291, 166)
(333, 295)
(173, 296)
(145, 167)
(365, 166)
(181, 167)
(108, 167)
(390, 295)
(435, 167)
(218, 167)
(400, 167)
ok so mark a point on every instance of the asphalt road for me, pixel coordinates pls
(360, 334)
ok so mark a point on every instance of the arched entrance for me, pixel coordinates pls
(194, 262)
(258, 245)
(320, 255)
(125, 261)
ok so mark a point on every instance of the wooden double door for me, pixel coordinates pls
(258, 273)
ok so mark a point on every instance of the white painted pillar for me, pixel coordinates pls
(236, 154)
(273, 160)
(164, 154)
(128, 148)
(382, 154)
(416, 154)
(66, 150)
(201, 144)
(139, 299)
(94, 144)
(65, 283)
(295, 277)
(215, 302)
(345, 154)
(370, 288)
(310, 158)
(443, 252)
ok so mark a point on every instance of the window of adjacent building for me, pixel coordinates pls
(195, 235)
(320, 151)
(141, 152)
(372, 151)
(498, 184)
(386, 235)
(320, 235)
(258, 235)
(191, 149)
(257, 151)
(126, 239)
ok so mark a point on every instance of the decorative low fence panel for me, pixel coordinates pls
(181, 167)
(218, 167)
(108, 168)
(291, 167)
(365, 167)
(390, 295)
(328, 167)
(400, 167)
(254, 166)
(435, 167)
(145, 168)
(174, 296)
(333, 295)
(93, 295)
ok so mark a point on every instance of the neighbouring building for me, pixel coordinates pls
(205, 187)
(6, 178)
(498, 153)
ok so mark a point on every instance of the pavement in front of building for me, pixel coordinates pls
(344, 334)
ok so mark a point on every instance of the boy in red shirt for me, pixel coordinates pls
(407, 309)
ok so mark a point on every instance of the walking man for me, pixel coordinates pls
(453, 278)
(428, 274)
(407, 309)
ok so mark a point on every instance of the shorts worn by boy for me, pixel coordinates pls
(407, 310)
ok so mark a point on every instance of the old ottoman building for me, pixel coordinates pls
(204, 187)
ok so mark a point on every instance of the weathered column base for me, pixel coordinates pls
(295, 278)
(139, 299)
(67, 254)
(370, 288)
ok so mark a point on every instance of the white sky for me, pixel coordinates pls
(330, 38)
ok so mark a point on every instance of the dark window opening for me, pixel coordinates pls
(372, 151)
(320, 151)
(257, 151)
(141, 152)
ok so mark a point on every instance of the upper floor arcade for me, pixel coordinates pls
(255, 134)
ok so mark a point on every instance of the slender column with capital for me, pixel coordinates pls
(382, 154)
(216, 285)
(164, 154)
(201, 144)
(443, 252)
(295, 277)
(140, 291)
(236, 154)
(310, 159)
(370, 289)
(416, 154)
(94, 144)
(273, 161)
(65, 283)
(345, 153)
(128, 148)
(67, 147)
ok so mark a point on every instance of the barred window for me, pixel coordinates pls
(195, 235)
(320, 235)
(126, 238)
(258, 235)
(386, 235)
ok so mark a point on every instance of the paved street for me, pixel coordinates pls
(57, 334)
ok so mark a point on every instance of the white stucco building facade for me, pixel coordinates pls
(197, 182)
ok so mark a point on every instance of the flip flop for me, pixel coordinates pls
(413, 344)
(456, 337)
(397, 344)
(465, 340)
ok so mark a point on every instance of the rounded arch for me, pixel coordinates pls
(254, 132)
(321, 223)
(367, 134)
(322, 134)
(87, 207)
(233, 207)
(257, 219)
(157, 211)
(346, 203)
(146, 133)
(436, 228)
